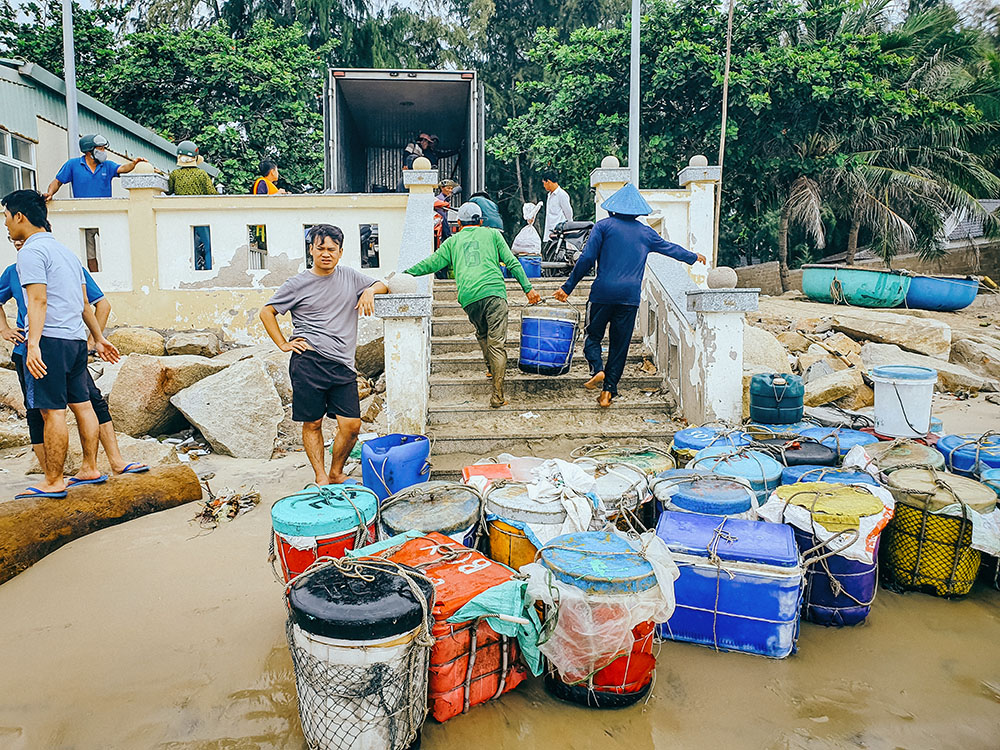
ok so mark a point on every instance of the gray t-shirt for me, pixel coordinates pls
(45, 260)
(323, 310)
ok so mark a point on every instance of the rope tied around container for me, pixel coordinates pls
(980, 443)
(591, 450)
(745, 452)
(418, 490)
(719, 534)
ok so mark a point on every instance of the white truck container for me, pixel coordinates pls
(371, 115)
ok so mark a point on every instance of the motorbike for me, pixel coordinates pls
(564, 247)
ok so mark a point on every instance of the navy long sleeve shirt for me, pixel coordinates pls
(619, 248)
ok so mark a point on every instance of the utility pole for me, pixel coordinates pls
(722, 134)
(633, 99)
(69, 66)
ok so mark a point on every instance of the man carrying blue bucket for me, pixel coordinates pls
(619, 245)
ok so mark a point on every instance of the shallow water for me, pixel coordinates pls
(156, 634)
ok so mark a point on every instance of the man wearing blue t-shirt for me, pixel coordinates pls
(92, 173)
(55, 360)
(618, 245)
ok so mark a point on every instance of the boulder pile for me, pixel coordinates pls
(833, 352)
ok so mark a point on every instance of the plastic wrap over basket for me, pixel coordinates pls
(470, 663)
(622, 488)
(358, 632)
(597, 588)
(740, 585)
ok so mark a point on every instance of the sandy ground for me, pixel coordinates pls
(158, 634)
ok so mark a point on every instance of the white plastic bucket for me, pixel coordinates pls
(903, 400)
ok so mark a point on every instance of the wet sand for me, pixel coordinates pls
(157, 634)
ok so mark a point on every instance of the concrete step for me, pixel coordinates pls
(455, 325)
(654, 409)
(465, 341)
(472, 386)
(472, 360)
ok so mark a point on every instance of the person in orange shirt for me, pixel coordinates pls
(266, 183)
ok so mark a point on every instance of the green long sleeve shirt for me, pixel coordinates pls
(475, 254)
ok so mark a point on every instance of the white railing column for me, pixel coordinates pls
(406, 311)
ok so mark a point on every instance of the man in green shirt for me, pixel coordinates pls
(189, 178)
(475, 254)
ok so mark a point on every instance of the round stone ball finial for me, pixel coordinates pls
(610, 162)
(698, 160)
(422, 162)
(722, 277)
(143, 167)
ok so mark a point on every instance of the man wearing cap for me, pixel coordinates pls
(618, 245)
(189, 178)
(475, 254)
(92, 173)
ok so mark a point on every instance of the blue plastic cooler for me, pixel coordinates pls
(748, 597)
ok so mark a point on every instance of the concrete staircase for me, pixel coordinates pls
(545, 416)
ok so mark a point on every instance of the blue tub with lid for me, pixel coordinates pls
(597, 562)
(759, 469)
(840, 438)
(794, 474)
(690, 440)
(748, 597)
(695, 491)
(970, 453)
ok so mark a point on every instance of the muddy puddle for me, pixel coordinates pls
(158, 635)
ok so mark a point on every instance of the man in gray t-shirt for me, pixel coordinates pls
(325, 302)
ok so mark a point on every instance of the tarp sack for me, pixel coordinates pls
(471, 662)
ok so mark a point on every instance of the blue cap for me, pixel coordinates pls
(627, 201)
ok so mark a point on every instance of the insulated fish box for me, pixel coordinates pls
(748, 598)
(459, 574)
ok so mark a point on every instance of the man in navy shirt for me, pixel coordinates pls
(618, 245)
(92, 173)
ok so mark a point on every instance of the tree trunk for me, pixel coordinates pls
(30, 529)
(852, 239)
(783, 248)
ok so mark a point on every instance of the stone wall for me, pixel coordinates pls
(959, 261)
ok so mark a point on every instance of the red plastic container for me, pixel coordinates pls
(491, 472)
(459, 574)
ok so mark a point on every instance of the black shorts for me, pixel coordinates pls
(65, 380)
(36, 425)
(322, 386)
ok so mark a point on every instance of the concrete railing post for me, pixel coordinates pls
(406, 311)
(143, 185)
(718, 352)
(606, 180)
(701, 182)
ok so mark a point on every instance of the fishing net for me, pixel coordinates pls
(355, 706)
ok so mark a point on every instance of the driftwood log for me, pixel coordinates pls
(32, 528)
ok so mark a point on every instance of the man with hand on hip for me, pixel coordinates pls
(55, 361)
(325, 302)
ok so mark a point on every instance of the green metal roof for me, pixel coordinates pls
(28, 91)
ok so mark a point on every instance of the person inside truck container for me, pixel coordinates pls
(475, 254)
(267, 182)
(491, 212)
(429, 146)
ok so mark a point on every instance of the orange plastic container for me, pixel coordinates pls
(459, 574)
(489, 471)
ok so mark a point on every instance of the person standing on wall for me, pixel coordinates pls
(325, 302)
(618, 245)
(267, 181)
(55, 360)
(189, 178)
(91, 174)
(10, 288)
(475, 254)
(557, 206)
(491, 211)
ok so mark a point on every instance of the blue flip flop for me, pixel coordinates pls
(35, 492)
(74, 482)
(135, 468)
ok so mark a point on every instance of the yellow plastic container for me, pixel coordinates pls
(509, 545)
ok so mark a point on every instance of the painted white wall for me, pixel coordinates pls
(114, 253)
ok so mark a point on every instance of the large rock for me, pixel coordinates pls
(149, 452)
(276, 364)
(860, 398)
(6, 348)
(951, 377)
(10, 391)
(137, 341)
(979, 357)
(842, 344)
(238, 411)
(370, 358)
(817, 370)
(920, 335)
(109, 376)
(32, 528)
(762, 349)
(13, 433)
(140, 402)
(832, 387)
(793, 341)
(816, 354)
(202, 343)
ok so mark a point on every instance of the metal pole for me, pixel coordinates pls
(633, 99)
(722, 135)
(69, 66)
